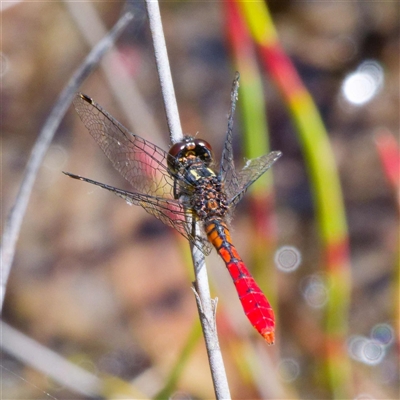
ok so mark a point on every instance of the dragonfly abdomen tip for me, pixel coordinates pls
(269, 337)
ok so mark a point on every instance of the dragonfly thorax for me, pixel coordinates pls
(209, 200)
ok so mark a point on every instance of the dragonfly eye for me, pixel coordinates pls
(203, 150)
(188, 151)
(200, 143)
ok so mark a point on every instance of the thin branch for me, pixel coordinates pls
(15, 218)
(50, 363)
(164, 71)
(207, 309)
(202, 291)
(63, 371)
(123, 87)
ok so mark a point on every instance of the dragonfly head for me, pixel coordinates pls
(188, 152)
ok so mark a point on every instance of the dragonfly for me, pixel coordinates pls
(184, 184)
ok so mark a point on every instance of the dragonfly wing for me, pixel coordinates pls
(172, 213)
(251, 172)
(169, 211)
(227, 170)
(141, 163)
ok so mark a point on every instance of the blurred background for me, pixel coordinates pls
(107, 287)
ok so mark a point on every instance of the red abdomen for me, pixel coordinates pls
(255, 304)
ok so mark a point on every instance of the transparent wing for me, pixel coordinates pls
(169, 211)
(141, 163)
(251, 172)
(227, 170)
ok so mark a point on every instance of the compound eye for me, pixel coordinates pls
(177, 148)
(203, 151)
(174, 153)
(203, 143)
